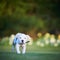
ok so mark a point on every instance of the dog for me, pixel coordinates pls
(19, 41)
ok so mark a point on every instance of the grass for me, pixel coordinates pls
(28, 56)
(32, 53)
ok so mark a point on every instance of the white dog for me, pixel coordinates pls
(20, 40)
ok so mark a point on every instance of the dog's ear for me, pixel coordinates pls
(28, 38)
(14, 41)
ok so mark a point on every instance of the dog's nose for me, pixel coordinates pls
(22, 41)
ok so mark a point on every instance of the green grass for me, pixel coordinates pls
(28, 56)
(32, 53)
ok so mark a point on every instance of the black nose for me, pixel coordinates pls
(22, 41)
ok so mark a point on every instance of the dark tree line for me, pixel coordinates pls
(29, 16)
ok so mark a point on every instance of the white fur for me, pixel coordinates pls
(20, 40)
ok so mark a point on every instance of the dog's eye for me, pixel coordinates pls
(24, 38)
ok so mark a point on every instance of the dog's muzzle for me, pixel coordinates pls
(22, 42)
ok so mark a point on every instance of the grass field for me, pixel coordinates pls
(32, 53)
(29, 56)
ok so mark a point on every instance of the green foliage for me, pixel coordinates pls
(4, 41)
(26, 15)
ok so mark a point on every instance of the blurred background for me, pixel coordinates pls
(36, 18)
(40, 19)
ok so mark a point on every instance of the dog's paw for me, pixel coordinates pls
(18, 52)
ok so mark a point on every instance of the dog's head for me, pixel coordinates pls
(21, 38)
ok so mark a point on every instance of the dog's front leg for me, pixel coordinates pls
(17, 48)
(24, 49)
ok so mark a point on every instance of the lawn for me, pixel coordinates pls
(32, 53)
(29, 56)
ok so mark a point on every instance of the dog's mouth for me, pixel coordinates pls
(21, 44)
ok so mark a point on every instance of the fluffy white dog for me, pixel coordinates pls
(20, 40)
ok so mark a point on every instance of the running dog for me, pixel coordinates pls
(19, 41)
